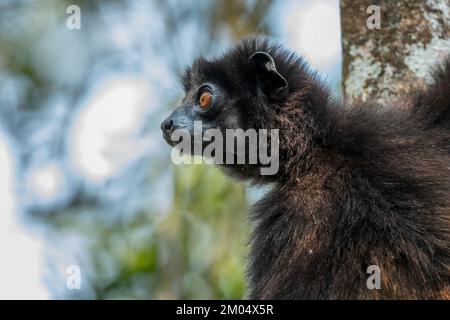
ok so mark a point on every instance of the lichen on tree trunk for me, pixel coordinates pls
(384, 64)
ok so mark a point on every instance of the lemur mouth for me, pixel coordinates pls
(168, 139)
(167, 128)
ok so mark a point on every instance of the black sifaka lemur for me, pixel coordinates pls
(357, 185)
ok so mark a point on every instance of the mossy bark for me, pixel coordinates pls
(384, 64)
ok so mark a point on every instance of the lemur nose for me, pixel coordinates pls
(166, 127)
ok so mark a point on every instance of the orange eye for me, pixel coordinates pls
(205, 100)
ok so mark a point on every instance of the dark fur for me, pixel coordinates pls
(357, 186)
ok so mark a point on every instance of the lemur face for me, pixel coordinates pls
(208, 105)
(227, 104)
(225, 94)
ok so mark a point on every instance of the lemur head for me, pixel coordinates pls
(255, 86)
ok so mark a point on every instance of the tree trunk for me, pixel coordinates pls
(383, 64)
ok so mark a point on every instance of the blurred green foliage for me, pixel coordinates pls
(195, 251)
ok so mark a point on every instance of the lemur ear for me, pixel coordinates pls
(274, 86)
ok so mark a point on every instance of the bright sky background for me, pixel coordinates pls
(313, 30)
(22, 260)
(104, 135)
